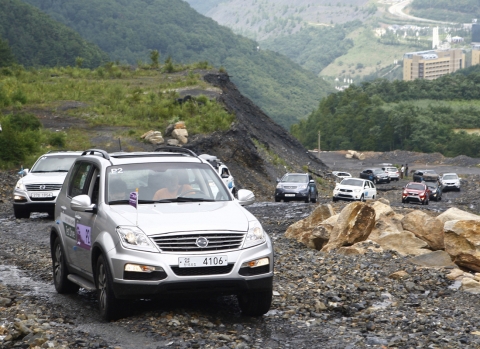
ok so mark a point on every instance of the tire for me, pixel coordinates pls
(108, 304)
(373, 197)
(362, 198)
(426, 203)
(255, 303)
(277, 200)
(403, 201)
(60, 270)
(21, 212)
(334, 199)
(307, 200)
(375, 181)
(314, 199)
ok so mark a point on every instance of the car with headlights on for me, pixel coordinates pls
(37, 190)
(356, 189)
(450, 181)
(416, 192)
(376, 175)
(435, 190)
(296, 186)
(163, 224)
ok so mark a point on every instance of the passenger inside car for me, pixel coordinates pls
(174, 187)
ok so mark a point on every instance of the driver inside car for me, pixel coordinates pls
(173, 188)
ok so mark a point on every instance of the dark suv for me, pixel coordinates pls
(296, 186)
(425, 176)
(376, 175)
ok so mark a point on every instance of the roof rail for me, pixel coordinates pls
(103, 153)
(179, 150)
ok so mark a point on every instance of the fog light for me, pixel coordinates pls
(141, 268)
(256, 263)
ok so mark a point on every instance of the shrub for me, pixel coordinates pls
(24, 121)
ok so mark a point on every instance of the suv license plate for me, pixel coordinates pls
(289, 194)
(197, 262)
(41, 195)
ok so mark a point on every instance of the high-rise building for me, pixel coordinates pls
(475, 33)
(432, 64)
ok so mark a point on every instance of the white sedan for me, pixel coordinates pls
(354, 189)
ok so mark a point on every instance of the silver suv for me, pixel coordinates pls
(157, 224)
(37, 191)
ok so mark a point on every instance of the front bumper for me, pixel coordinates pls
(451, 186)
(233, 279)
(413, 198)
(25, 200)
(283, 194)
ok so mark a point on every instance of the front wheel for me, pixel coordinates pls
(20, 212)
(314, 199)
(255, 303)
(362, 198)
(108, 304)
(60, 270)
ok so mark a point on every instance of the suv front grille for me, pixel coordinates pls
(187, 242)
(43, 187)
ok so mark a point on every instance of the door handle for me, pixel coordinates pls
(78, 217)
(63, 207)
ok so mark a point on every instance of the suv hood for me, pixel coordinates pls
(190, 216)
(48, 177)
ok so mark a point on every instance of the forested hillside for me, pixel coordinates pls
(419, 115)
(36, 40)
(129, 30)
(459, 11)
(314, 47)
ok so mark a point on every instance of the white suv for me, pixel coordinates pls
(450, 181)
(37, 191)
(157, 224)
(354, 189)
(222, 170)
(392, 172)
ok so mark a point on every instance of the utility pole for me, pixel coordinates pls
(318, 154)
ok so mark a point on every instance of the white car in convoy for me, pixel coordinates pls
(450, 181)
(339, 175)
(38, 189)
(354, 189)
(392, 172)
(222, 170)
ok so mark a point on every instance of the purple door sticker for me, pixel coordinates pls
(84, 235)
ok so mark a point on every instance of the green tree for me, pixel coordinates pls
(6, 56)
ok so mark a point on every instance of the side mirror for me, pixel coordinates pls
(82, 203)
(245, 197)
(278, 180)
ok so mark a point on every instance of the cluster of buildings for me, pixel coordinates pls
(441, 61)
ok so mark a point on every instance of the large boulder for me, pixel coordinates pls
(302, 229)
(462, 242)
(354, 224)
(320, 234)
(426, 228)
(456, 214)
(405, 243)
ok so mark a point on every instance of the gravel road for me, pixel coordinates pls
(320, 300)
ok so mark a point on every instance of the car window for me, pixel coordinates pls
(55, 163)
(78, 181)
(378, 170)
(292, 178)
(450, 177)
(391, 169)
(354, 182)
(415, 186)
(156, 181)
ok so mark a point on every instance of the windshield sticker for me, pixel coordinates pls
(116, 170)
(68, 225)
(84, 236)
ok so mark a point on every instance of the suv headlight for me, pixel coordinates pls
(135, 238)
(255, 235)
(20, 186)
(303, 186)
(279, 186)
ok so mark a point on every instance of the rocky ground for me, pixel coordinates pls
(320, 300)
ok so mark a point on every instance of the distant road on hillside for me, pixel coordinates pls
(397, 10)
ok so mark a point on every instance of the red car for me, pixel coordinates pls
(416, 192)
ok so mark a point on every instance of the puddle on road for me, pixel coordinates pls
(11, 275)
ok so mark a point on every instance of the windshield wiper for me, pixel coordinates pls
(183, 199)
(49, 171)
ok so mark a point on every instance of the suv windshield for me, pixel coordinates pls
(291, 178)
(56, 163)
(378, 170)
(415, 186)
(164, 182)
(391, 169)
(450, 177)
